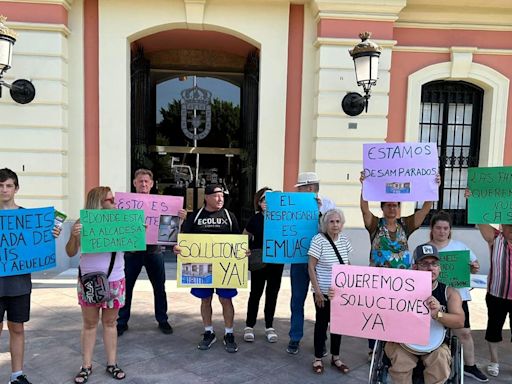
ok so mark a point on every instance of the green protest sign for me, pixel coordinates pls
(491, 195)
(455, 268)
(109, 230)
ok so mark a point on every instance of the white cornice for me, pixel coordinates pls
(477, 51)
(366, 16)
(20, 26)
(65, 3)
(388, 7)
(461, 26)
(349, 42)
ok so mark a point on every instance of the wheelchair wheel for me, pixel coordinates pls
(378, 368)
(457, 373)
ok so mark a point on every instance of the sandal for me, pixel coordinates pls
(493, 369)
(116, 372)
(318, 366)
(339, 365)
(82, 376)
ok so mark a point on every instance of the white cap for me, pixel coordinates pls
(307, 178)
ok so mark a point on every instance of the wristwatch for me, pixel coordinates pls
(439, 315)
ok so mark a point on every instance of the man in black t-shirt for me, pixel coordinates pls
(213, 218)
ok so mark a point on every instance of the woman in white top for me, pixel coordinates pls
(440, 236)
(322, 257)
(99, 198)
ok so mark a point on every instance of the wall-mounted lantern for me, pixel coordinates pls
(22, 91)
(366, 62)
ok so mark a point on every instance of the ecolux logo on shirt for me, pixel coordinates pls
(212, 221)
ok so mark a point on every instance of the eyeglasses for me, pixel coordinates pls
(110, 199)
(427, 265)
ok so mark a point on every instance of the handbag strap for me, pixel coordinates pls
(334, 247)
(110, 267)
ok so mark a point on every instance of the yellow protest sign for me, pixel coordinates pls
(212, 261)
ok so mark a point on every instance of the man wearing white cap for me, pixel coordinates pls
(299, 276)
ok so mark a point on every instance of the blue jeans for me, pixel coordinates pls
(299, 277)
(155, 268)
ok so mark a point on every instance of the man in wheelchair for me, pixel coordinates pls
(445, 307)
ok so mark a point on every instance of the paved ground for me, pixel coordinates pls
(148, 356)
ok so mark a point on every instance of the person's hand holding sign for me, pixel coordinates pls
(434, 306)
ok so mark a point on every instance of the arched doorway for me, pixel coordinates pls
(194, 98)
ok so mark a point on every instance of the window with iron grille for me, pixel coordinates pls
(451, 116)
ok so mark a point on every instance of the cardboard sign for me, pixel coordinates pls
(400, 172)
(291, 221)
(455, 268)
(491, 195)
(111, 230)
(212, 261)
(381, 303)
(160, 214)
(26, 240)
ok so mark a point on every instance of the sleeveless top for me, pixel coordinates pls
(389, 253)
(440, 294)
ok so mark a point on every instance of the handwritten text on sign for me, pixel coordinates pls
(26, 241)
(400, 172)
(291, 221)
(455, 269)
(381, 303)
(491, 195)
(153, 206)
(213, 261)
(110, 230)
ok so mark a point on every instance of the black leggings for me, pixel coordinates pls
(271, 275)
(323, 317)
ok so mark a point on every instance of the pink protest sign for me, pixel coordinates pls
(160, 214)
(400, 172)
(381, 303)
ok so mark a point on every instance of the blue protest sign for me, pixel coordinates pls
(291, 221)
(26, 240)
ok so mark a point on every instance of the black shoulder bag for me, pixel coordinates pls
(334, 247)
(95, 284)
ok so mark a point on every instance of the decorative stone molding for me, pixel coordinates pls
(494, 116)
(462, 58)
(360, 10)
(194, 13)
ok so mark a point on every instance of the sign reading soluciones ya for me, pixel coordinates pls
(216, 261)
(381, 303)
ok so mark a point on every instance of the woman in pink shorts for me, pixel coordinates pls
(99, 198)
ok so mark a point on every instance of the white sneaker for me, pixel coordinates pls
(271, 335)
(249, 334)
(493, 369)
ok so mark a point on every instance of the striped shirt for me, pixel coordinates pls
(499, 282)
(322, 250)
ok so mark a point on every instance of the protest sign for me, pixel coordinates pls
(291, 221)
(381, 303)
(455, 268)
(400, 172)
(111, 230)
(160, 214)
(491, 195)
(26, 240)
(212, 261)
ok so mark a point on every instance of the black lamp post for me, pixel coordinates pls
(22, 91)
(366, 62)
